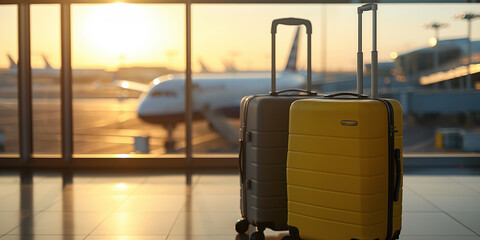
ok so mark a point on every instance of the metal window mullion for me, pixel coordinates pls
(66, 84)
(188, 83)
(24, 78)
(469, 52)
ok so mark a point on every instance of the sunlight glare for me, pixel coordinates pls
(119, 29)
(125, 84)
(121, 186)
(393, 55)
(123, 155)
(432, 42)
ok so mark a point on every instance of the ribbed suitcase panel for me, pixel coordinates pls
(307, 115)
(269, 189)
(337, 200)
(321, 229)
(361, 185)
(267, 172)
(267, 202)
(266, 156)
(337, 174)
(340, 146)
(269, 139)
(344, 216)
(268, 114)
(274, 218)
(367, 166)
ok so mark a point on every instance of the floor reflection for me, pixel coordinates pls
(26, 203)
(188, 204)
(68, 224)
(193, 206)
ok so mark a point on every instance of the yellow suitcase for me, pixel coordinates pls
(344, 169)
(344, 165)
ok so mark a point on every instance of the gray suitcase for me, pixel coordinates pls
(263, 149)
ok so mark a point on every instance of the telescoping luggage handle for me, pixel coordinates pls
(374, 75)
(308, 26)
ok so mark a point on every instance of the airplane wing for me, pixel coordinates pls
(221, 125)
(131, 85)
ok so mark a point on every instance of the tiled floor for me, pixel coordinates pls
(162, 206)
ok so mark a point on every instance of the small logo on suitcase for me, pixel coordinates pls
(350, 123)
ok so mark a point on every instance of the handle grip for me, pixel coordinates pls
(293, 21)
(367, 7)
(309, 93)
(346, 94)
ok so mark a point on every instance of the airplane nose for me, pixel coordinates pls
(151, 111)
(143, 110)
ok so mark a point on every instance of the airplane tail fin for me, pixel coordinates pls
(204, 67)
(292, 58)
(47, 64)
(13, 64)
(229, 66)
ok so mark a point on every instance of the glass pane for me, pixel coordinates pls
(440, 113)
(8, 80)
(422, 65)
(46, 64)
(121, 54)
(232, 59)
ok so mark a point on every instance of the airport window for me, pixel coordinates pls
(8, 80)
(233, 48)
(120, 52)
(45, 58)
(233, 53)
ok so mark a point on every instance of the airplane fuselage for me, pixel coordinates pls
(165, 102)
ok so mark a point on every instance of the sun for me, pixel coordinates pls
(118, 29)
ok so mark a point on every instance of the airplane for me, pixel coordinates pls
(204, 67)
(13, 65)
(215, 96)
(51, 75)
(47, 70)
(229, 66)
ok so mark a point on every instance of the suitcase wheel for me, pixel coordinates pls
(294, 233)
(241, 226)
(396, 235)
(288, 237)
(257, 236)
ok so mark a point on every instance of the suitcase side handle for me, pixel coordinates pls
(308, 26)
(398, 172)
(358, 95)
(374, 80)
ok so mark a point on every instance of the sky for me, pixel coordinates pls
(124, 35)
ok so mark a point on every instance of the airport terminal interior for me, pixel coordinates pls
(121, 120)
